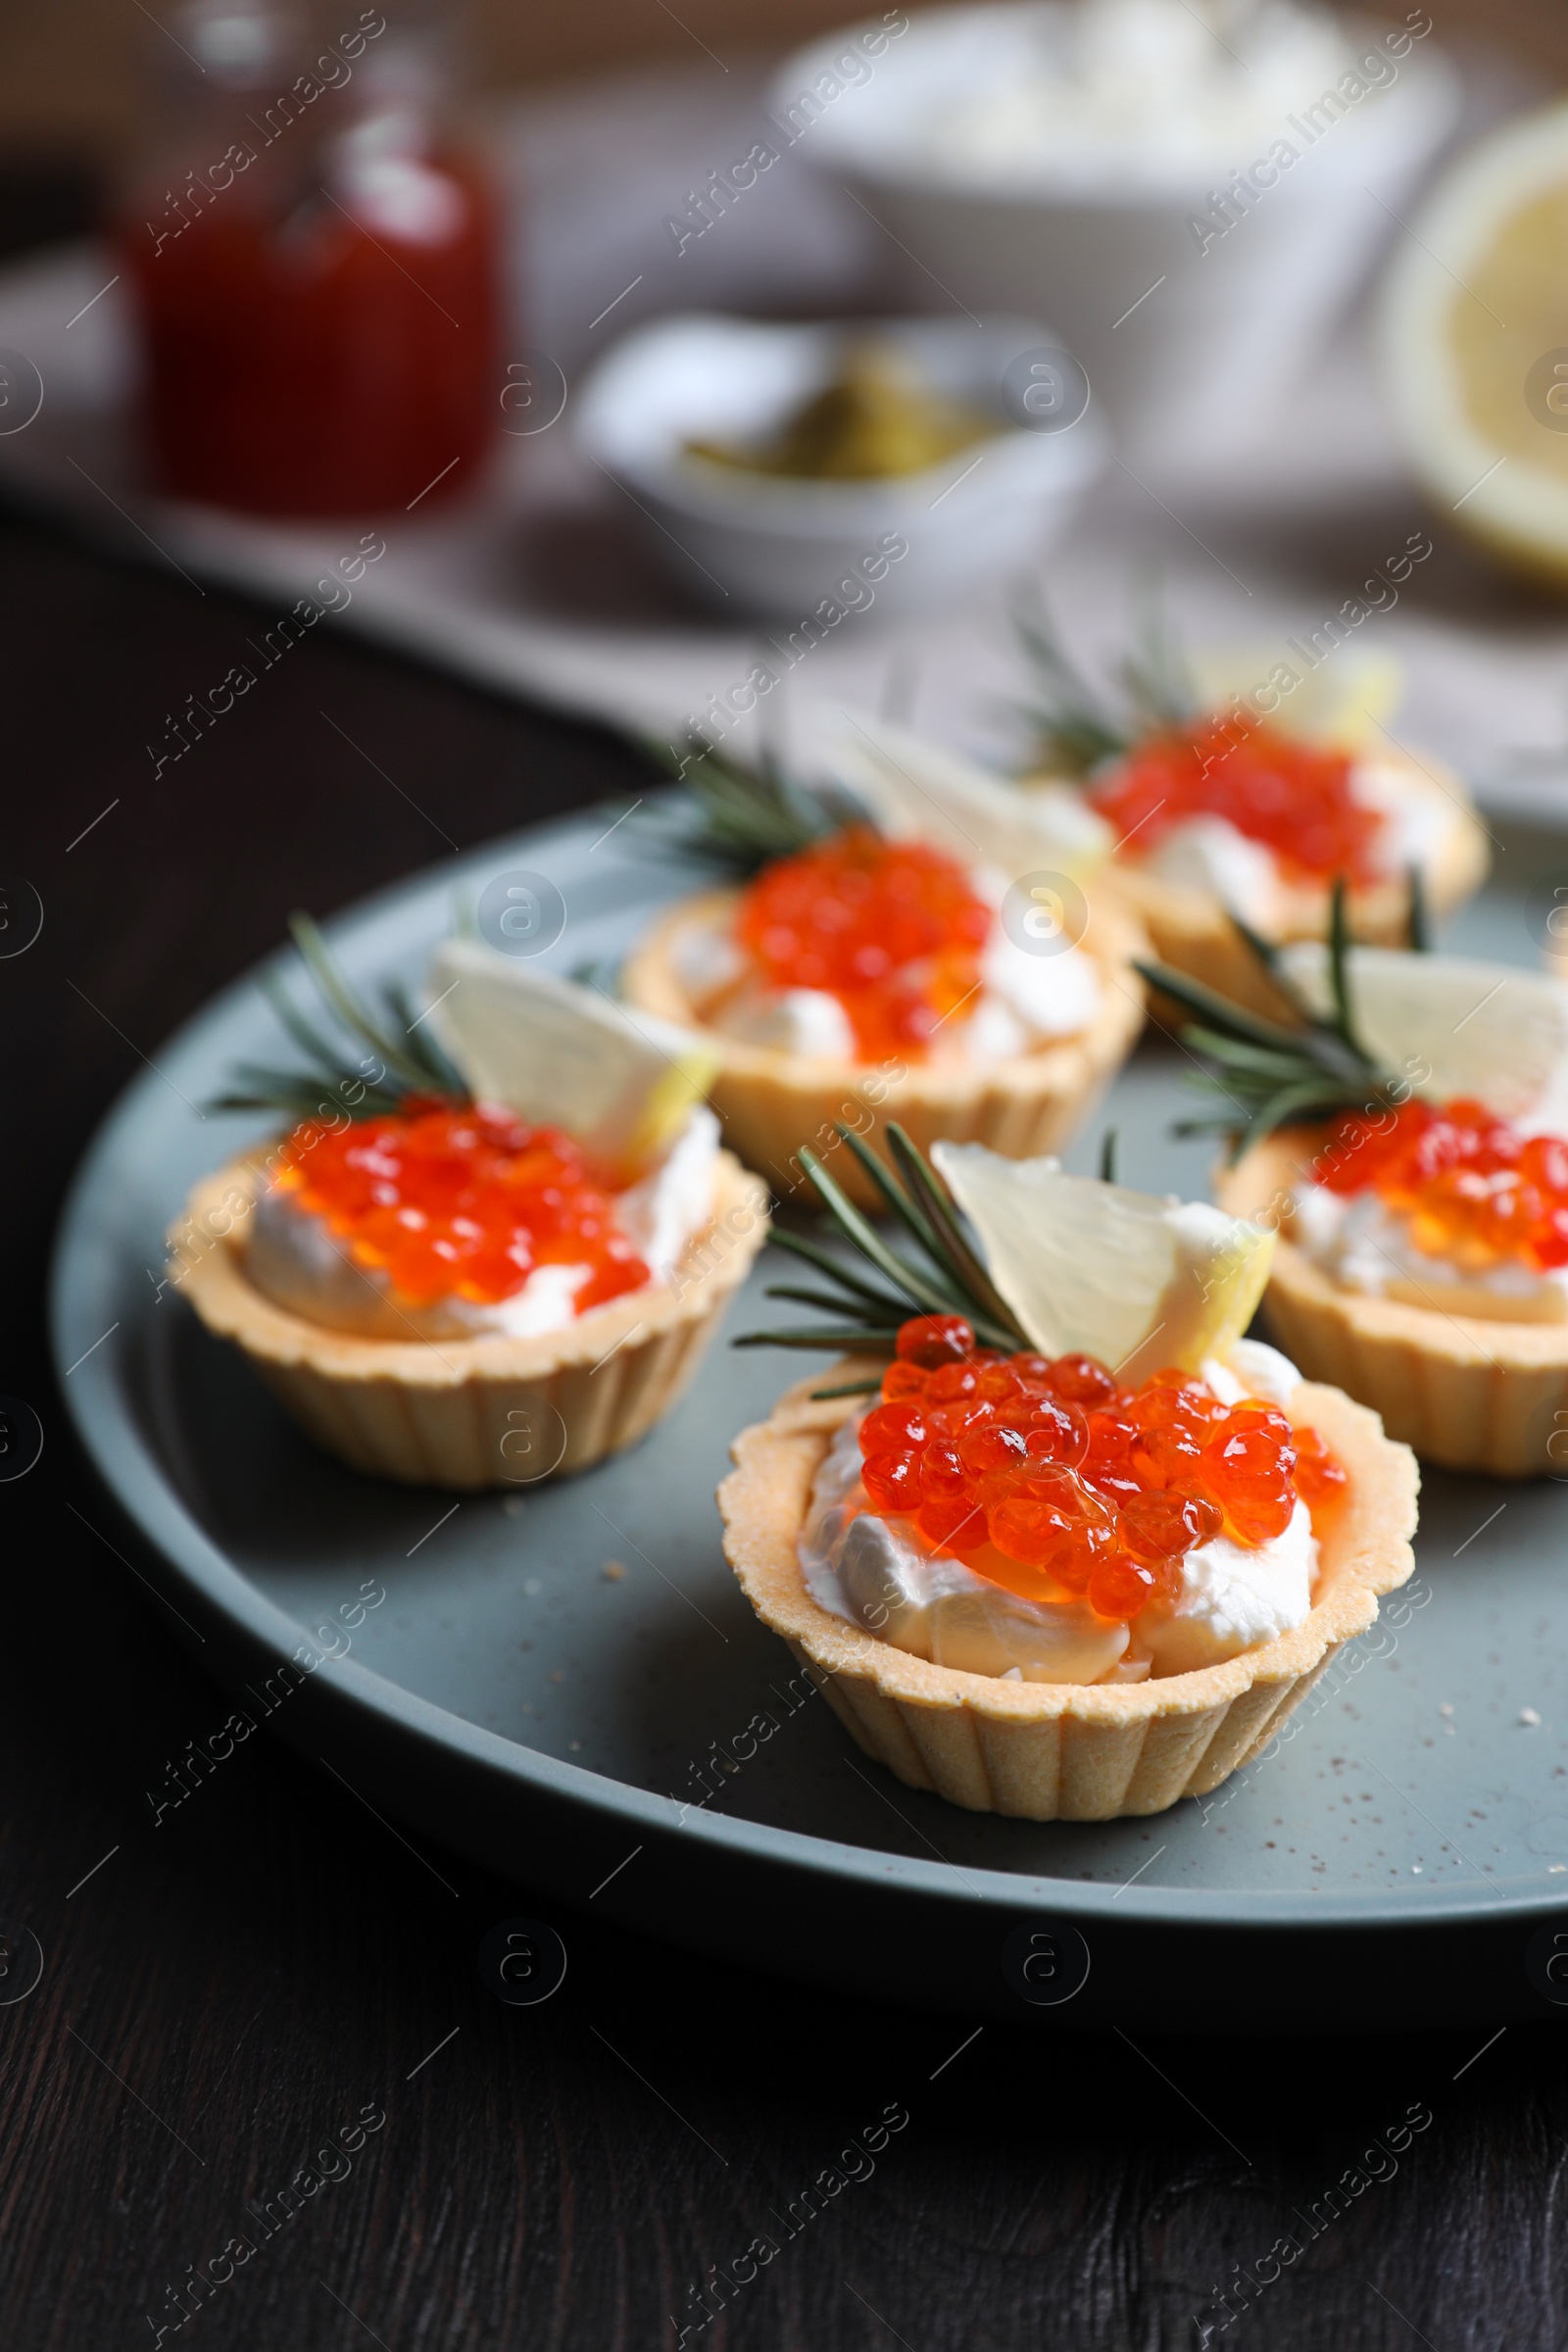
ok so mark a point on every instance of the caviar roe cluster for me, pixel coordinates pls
(891, 928)
(1293, 797)
(1473, 1188)
(459, 1199)
(1084, 1488)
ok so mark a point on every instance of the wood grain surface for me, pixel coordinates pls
(229, 1993)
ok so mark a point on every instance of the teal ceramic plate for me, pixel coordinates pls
(1387, 1862)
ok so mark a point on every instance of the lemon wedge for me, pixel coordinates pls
(1340, 706)
(1092, 1268)
(1494, 1031)
(915, 789)
(1473, 338)
(561, 1055)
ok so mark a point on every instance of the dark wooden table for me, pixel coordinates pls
(232, 1990)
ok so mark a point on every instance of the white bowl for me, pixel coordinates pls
(780, 546)
(1197, 361)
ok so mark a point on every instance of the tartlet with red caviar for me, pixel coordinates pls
(875, 966)
(1408, 1139)
(1254, 799)
(1033, 1584)
(473, 1268)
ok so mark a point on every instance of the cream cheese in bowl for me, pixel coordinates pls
(1191, 192)
(1147, 88)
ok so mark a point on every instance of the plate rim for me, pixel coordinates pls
(145, 1493)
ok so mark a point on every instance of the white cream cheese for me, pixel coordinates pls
(1417, 820)
(1252, 1369)
(1233, 1599)
(1025, 1001)
(793, 1021)
(294, 1258)
(662, 1212)
(879, 1572)
(994, 1033)
(1136, 93)
(938, 1608)
(707, 958)
(1050, 995)
(1208, 853)
(1358, 1242)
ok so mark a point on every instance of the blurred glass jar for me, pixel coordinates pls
(314, 263)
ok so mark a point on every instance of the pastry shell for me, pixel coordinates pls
(771, 1100)
(1467, 1394)
(1193, 931)
(1061, 1751)
(492, 1411)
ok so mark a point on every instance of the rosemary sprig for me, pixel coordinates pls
(1266, 1074)
(1418, 935)
(1078, 726)
(1073, 729)
(407, 1058)
(1157, 682)
(944, 1273)
(743, 816)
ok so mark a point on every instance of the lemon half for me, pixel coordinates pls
(1094, 1268)
(1473, 338)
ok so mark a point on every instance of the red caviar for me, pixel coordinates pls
(1473, 1188)
(890, 928)
(456, 1200)
(1294, 796)
(1083, 1487)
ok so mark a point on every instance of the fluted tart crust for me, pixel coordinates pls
(1466, 1393)
(770, 1102)
(490, 1412)
(1191, 931)
(1061, 1751)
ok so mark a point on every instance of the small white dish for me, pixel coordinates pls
(1190, 339)
(779, 546)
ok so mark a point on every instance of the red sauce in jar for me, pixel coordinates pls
(335, 358)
